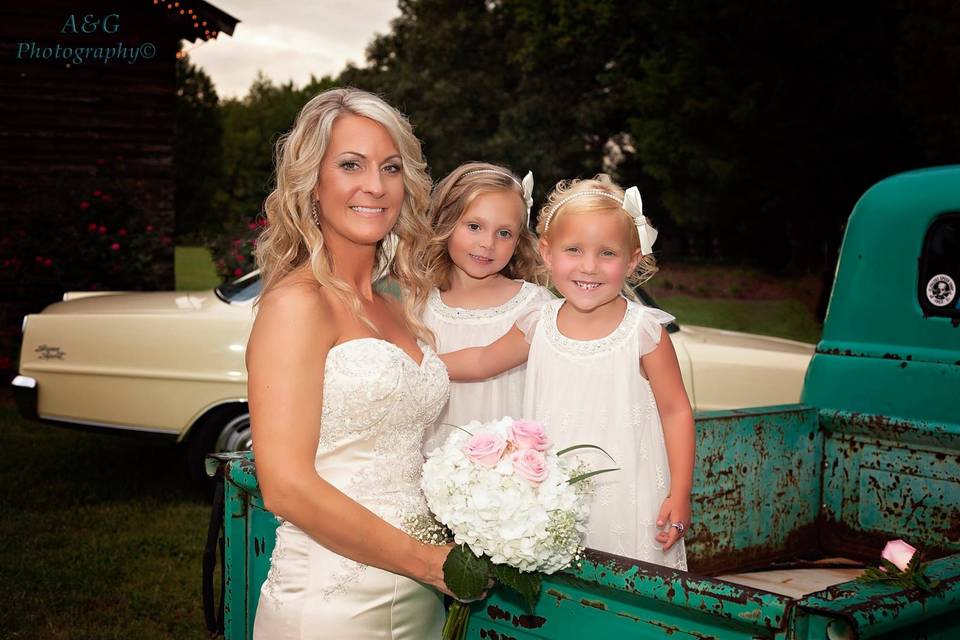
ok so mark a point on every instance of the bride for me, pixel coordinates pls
(342, 382)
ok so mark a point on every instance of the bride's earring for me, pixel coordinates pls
(313, 212)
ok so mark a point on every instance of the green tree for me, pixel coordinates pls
(253, 125)
(198, 151)
(445, 65)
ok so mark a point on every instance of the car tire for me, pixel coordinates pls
(222, 430)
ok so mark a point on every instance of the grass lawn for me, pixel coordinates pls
(781, 318)
(193, 269)
(103, 536)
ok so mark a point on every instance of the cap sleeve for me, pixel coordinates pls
(529, 315)
(651, 321)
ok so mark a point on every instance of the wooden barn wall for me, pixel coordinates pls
(61, 120)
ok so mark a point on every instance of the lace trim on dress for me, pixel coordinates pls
(648, 318)
(587, 348)
(442, 309)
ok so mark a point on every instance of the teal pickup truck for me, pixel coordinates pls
(871, 454)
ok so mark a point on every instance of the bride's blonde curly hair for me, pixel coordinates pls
(292, 238)
(558, 206)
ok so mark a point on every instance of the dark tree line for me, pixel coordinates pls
(751, 127)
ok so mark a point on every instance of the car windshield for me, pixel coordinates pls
(244, 288)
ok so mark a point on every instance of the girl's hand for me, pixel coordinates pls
(673, 509)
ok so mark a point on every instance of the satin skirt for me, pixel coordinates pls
(313, 593)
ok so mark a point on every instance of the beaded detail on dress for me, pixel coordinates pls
(442, 309)
(586, 348)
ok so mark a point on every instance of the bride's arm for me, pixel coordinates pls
(479, 363)
(286, 353)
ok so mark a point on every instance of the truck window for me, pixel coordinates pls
(940, 268)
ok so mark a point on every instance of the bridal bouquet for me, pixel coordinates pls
(513, 507)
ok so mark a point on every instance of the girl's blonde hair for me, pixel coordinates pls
(590, 203)
(450, 200)
(292, 238)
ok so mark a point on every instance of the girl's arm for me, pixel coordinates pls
(286, 353)
(479, 363)
(663, 371)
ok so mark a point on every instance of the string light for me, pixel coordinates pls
(192, 16)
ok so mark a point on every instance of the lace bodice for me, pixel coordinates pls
(376, 404)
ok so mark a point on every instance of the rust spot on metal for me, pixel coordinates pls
(891, 356)
(596, 604)
(559, 595)
(528, 621)
(715, 555)
(669, 630)
(496, 613)
(493, 635)
(903, 365)
(629, 616)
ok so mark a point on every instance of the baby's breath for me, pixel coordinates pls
(426, 529)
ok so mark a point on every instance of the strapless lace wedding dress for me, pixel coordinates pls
(377, 402)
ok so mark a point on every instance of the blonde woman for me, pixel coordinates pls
(342, 380)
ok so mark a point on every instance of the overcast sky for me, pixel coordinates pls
(289, 40)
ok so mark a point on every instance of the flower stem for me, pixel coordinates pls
(455, 627)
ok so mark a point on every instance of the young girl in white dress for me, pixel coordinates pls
(603, 371)
(481, 258)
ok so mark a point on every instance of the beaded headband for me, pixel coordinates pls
(631, 203)
(526, 186)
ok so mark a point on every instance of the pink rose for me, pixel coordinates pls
(529, 435)
(530, 465)
(485, 448)
(899, 553)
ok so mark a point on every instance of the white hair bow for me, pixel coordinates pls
(527, 186)
(633, 204)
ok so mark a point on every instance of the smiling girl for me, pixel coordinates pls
(481, 259)
(602, 370)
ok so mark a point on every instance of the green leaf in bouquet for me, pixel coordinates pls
(524, 583)
(584, 446)
(584, 476)
(872, 574)
(891, 568)
(466, 574)
(914, 563)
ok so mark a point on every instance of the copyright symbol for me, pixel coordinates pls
(147, 50)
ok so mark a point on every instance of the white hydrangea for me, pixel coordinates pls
(498, 513)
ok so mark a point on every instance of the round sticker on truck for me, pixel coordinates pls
(941, 290)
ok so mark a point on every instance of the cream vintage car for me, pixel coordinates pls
(172, 364)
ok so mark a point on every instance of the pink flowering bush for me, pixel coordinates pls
(233, 250)
(95, 236)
